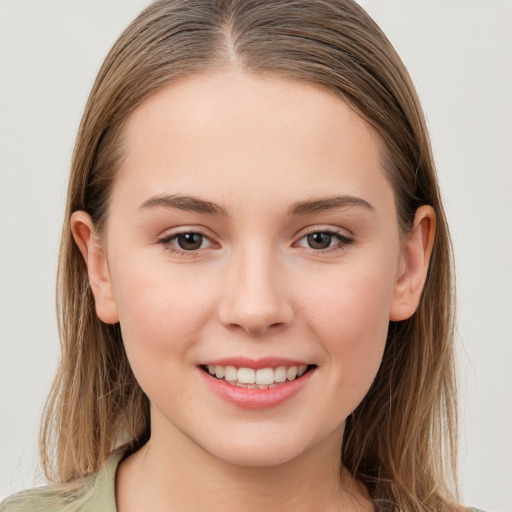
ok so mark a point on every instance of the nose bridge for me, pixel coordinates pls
(256, 300)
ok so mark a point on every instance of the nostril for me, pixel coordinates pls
(256, 328)
(254, 306)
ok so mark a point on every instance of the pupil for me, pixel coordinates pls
(319, 240)
(190, 241)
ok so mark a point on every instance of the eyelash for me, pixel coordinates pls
(167, 242)
(343, 241)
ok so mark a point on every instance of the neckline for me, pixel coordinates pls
(104, 488)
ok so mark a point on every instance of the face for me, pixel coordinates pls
(251, 235)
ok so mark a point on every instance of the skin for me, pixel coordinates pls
(255, 147)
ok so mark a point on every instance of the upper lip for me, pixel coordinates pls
(264, 362)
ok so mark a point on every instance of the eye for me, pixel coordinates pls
(186, 242)
(190, 241)
(324, 240)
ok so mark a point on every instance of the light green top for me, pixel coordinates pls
(95, 494)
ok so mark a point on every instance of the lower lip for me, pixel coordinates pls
(253, 398)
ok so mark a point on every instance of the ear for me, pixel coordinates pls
(415, 260)
(97, 268)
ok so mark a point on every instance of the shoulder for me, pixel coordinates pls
(91, 494)
(40, 499)
(25, 500)
(71, 497)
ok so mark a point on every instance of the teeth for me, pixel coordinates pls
(230, 373)
(291, 372)
(246, 375)
(262, 378)
(280, 374)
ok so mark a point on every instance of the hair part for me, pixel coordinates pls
(401, 440)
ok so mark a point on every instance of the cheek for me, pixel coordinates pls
(160, 312)
(353, 299)
(350, 317)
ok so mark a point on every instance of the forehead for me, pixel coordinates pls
(232, 132)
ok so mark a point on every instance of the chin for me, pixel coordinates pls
(256, 457)
(270, 448)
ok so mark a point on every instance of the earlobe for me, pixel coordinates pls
(95, 259)
(413, 273)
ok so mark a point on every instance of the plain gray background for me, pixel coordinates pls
(459, 55)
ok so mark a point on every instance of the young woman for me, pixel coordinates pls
(255, 274)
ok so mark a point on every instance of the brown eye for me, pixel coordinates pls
(319, 240)
(324, 241)
(189, 241)
(186, 243)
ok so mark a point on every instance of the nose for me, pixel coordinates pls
(255, 298)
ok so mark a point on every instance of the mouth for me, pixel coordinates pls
(260, 378)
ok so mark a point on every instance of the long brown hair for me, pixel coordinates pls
(401, 440)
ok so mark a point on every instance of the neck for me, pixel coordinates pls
(165, 475)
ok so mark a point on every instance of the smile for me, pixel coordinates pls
(256, 384)
(261, 378)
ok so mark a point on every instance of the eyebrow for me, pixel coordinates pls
(186, 203)
(328, 203)
(194, 204)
